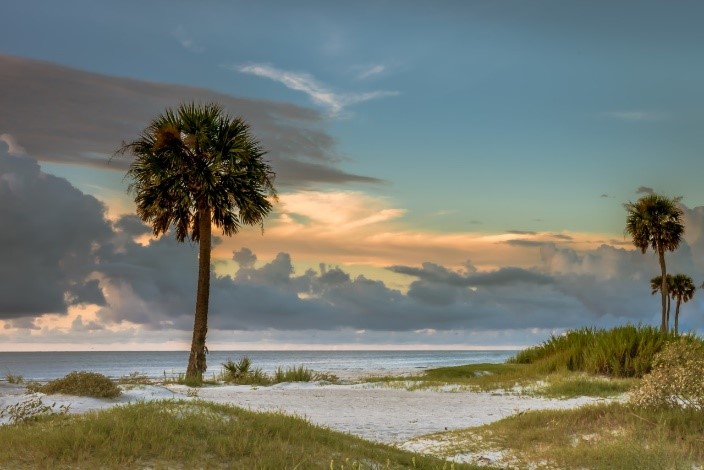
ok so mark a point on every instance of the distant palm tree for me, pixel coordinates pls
(683, 290)
(196, 166)
(656, 285)
(656, 221)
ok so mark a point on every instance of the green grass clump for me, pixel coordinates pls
(179, 434)
(625, 351)
(87, 384)
(613, 436)
(242, 373)
(512, 378)
(293, 374)
(14, 378)
(585, 386)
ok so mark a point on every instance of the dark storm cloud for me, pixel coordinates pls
(132, 226)
(59, 114)
(440, 275)
(644, 190)
(50, 233)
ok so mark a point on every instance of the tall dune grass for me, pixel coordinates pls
(624, 351)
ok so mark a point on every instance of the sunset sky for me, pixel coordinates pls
(451, 174)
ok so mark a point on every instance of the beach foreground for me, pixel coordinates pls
(371, 411)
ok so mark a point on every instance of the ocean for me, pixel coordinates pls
(43, 366)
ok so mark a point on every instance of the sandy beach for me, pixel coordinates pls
(370, 411)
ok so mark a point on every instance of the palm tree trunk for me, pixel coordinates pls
(196, 360)
(663, 290)
(668, 311)
(677, 314)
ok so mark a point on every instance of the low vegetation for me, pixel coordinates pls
(87, 384)
(31, 409)
(14, 378)
(676, 380)
(606, 436)
(586, 362)
(242, 373)
(625, 351)
(195, 434)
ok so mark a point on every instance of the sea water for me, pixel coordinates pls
(43, 366)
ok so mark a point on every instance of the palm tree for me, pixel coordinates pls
(656, 221)
(656, 285)
(196, 166)
(683, 290)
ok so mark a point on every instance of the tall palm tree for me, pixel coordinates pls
(683, 290)
(656, 221)
(196, 166)
(656, 285)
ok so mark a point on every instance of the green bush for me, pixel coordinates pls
(676, 379)
(87, 384)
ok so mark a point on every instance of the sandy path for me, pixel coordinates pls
(372, 412)
(381, 414)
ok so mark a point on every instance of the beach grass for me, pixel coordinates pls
(623, 351)
(194, 434)
(585, 362)
(525, 379)
(603, 436)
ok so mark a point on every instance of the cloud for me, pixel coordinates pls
(636, 116)
(90, 280)
(526, 243)
(13, 148)
(644, 190)
(50, 235)
(63, 115)
(352, 227)
(306, 83)
(604, 195)
(501, 277)
(370, 71)
(521, 232)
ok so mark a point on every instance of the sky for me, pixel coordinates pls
(451, 174)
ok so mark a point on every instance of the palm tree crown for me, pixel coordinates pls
(656, 221)
(682, 290)
(194, 167)
(197, 158)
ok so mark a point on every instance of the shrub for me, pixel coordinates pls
(676, 379)
(241, 373)
(87, 384)
(14, 378)
(236, 370)
(31, 409)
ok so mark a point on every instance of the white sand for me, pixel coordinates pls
(373, 412)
